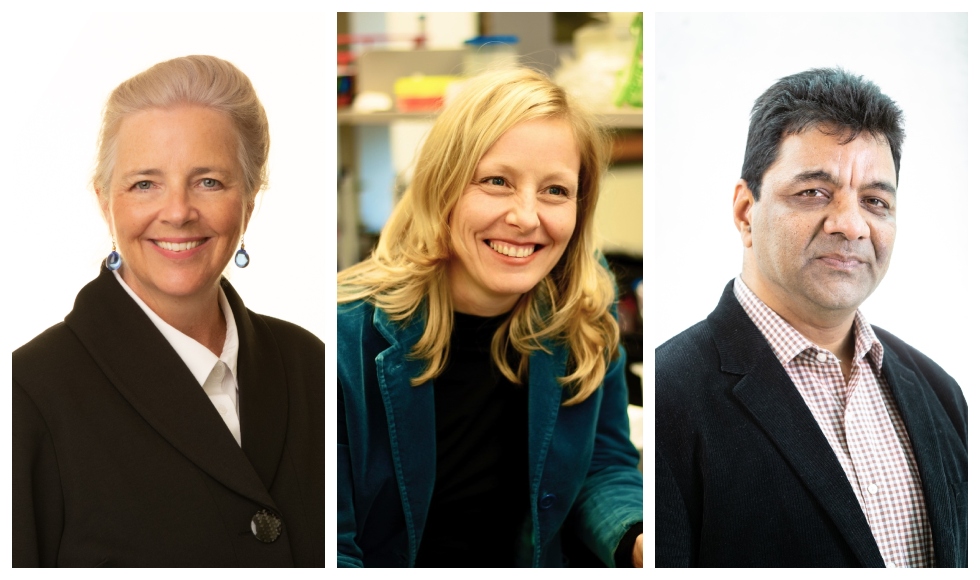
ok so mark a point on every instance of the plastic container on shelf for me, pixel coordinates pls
(345, 78)
(489, 52)
(598, 75)
(421, 93)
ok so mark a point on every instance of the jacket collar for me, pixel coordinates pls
(149, 374)
(769, 396)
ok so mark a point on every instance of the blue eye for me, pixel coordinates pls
(209, 182)
(557, 190)
(496, 181)
(143, 185)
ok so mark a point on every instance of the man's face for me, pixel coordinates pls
(819, 239)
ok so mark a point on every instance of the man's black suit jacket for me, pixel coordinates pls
(120, 459)
(745, 477)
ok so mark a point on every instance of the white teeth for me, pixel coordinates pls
(513, 252)
(181, 247)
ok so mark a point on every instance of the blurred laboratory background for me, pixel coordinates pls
(395, 70)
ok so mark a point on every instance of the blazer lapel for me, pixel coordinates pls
(544, 401)
(910, 398)
(770, 397)
(145, 369)
(263, 407)
(411, 422)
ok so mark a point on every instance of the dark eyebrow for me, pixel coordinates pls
(821, 175)
(817, 175)
(880, 186)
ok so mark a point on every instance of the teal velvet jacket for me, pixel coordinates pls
(582, 466)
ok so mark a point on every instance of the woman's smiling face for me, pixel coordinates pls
(514, 220)
(176, 204)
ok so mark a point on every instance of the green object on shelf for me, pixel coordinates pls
(631, 92)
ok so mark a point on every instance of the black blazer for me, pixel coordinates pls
(120, 459)
(745, 477)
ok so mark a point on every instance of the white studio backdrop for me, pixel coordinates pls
(710, 68)
(59, 69)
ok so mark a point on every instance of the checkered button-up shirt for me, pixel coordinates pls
(860, 421)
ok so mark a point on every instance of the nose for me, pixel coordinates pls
(178, 208)
(847, 218)
(523, 212)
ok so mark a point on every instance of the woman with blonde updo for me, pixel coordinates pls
(163, 423)
(482, 396)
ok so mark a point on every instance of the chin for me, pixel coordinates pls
(180, 286)
(840, 300)
(515, 288)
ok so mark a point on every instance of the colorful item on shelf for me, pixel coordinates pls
(421, 93)
(632, 92)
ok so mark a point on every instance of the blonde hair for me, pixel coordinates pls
(191, 80)
(407, 272)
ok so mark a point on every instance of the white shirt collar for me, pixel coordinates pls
(198, 358)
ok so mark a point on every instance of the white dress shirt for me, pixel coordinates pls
(218, 376)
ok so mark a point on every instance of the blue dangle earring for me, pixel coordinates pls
(113, 261)
(241, 256)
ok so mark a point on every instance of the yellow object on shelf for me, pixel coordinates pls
(421, 93)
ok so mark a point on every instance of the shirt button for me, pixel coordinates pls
(547, 500)
(873, 489)
(266, 526)
(822, 356)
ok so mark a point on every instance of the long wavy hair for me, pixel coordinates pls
(407, 272)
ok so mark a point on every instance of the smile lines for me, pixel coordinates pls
(181, 247)
(512, 251)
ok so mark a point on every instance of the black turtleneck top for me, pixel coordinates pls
(482, 495)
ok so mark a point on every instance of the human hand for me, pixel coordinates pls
(638, 552)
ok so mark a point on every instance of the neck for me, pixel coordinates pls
(830, 330)
(479, 304)
(198, 316)
(483, 310)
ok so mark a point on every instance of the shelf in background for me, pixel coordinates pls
(347, 117)
(618, 119)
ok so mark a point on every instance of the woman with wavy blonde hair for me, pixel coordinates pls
(480, 382)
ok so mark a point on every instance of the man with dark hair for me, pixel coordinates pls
(790, 432)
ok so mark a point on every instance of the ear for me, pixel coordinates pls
(742, 205)
(103, 201)
(248, 212)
